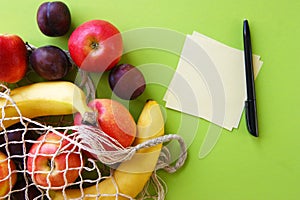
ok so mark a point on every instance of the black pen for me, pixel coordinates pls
(250, 103)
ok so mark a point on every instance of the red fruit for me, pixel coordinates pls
(96, 46)
(53, 160)
(13, 58)
(114, 119)
(7, 166)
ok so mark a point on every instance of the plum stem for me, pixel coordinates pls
(30, 47)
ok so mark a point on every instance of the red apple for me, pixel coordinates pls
(53, 162)
(13, 58)
(114, 119)
(96, 46)
(7, 177)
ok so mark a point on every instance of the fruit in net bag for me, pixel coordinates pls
(15, 140)
(114, 119)
(8, 177)
(131, 176)
(25, 190)
(54, 18)
(53, 161)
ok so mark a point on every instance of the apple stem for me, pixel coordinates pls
(90, 119)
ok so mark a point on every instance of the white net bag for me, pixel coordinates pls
(40, 161)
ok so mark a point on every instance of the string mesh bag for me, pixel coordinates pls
(37, 170)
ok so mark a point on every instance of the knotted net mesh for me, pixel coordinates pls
(57, 161)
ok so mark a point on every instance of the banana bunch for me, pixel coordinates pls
(43, 99)
(131, 176)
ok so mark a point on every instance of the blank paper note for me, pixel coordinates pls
(209, 81)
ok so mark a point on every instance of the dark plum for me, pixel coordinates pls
(14, 143)
(15, 139)
(50, 62)
(126, 81)
(20, 192)
(54, 18)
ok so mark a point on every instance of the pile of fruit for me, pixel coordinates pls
(54, 163)
(94, 46)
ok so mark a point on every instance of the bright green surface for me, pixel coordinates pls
(240, 166)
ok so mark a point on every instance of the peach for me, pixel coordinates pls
(7, 175)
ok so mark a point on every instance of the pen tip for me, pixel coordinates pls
(255, 134)
(253, 131)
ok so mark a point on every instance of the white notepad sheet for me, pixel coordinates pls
(209, 81)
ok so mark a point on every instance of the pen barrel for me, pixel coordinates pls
(249, 79)
(248, 62)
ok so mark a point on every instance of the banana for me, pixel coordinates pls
(132, 175)
(43, 99)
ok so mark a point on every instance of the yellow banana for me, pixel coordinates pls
(132, 175)
(44, 99)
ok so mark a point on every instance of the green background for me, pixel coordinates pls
(240, 166)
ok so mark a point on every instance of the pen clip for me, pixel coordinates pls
(251, 117)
